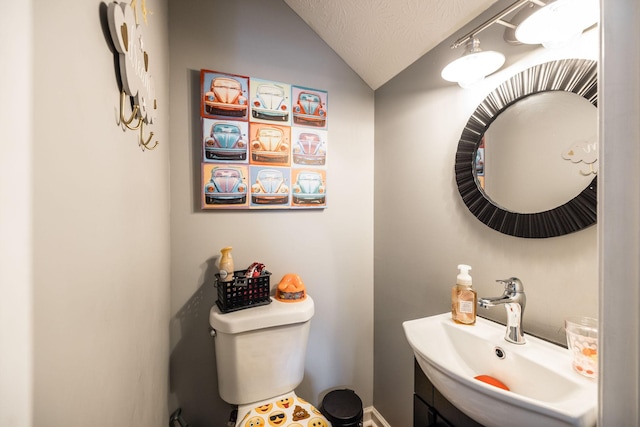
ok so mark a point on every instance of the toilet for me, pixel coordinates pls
(260, 355)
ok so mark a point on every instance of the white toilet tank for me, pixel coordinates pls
(260, 351)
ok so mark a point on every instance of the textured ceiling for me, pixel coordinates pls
(380, 38)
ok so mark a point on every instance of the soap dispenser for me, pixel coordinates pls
(226, 265)
(463, 298)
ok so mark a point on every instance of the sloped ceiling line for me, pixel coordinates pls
(380, 38)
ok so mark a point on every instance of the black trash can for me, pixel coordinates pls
(343, 408)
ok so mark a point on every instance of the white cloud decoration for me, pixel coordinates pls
(137, 81)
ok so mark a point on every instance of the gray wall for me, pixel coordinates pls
(331, 249)
(423, 229)
(100, 227)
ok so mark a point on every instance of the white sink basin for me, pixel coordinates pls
(544, 388)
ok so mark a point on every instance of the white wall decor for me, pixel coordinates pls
(137, 83)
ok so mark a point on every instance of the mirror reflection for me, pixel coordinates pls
(524, 169)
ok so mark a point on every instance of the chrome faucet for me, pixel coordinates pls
(514, 300)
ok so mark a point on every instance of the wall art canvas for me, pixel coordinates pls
(264, 143)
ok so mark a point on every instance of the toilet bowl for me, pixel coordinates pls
(260, 355)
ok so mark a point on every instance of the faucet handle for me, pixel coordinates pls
(513, 284)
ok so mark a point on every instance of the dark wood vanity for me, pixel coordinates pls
(431, 409)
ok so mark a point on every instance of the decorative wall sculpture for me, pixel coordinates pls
(138, 89)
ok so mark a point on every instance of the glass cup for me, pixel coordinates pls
(582, 339)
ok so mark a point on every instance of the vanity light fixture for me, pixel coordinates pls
(550, 23)
(474, 65)
(558, 22)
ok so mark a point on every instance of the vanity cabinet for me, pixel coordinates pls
(431, 409)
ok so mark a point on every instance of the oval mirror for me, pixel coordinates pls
(534, 131)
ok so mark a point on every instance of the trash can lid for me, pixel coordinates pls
(342, 406)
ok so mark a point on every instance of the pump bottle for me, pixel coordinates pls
(226, 265)
(463, 298)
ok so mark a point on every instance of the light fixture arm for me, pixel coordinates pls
(496, 19)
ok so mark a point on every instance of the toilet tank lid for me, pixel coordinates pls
(276, 313)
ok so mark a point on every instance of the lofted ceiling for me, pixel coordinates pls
(380, 38)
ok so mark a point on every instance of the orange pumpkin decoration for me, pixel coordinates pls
(291, 289)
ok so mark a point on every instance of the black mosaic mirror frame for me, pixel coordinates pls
(571, 75)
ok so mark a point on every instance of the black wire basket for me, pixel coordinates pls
(243, 292)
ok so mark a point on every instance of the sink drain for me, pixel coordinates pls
(500, 353)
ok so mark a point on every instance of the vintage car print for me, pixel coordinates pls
(226, 98)
(270, 188)
(225, 142)
(309, 149)
(270, 146)
(309, 110)
(309, 188)
(226, 186)
(270, 103)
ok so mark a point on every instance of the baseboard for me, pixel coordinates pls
(373, 418)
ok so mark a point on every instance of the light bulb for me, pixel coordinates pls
(473, 66)
(558, 22)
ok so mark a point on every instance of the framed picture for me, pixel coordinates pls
(264, 143)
